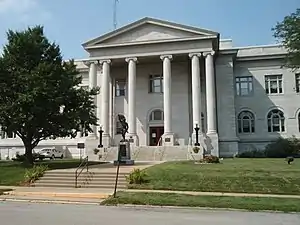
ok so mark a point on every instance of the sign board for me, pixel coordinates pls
(80, 145)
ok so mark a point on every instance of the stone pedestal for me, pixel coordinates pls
(124, 151)
(168, 139)
(106, 140)
(212, 144)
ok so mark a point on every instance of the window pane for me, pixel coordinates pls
(156, 89)
(157, 115)
(237, 88)
(246, 126)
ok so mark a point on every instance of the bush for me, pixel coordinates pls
(137, 176)
(35, 173)
(210, 159)
(252, 154)
(19, 158)
(283, 147)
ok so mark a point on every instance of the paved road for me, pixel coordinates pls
(16, 213)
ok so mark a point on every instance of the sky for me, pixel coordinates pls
(71, 22)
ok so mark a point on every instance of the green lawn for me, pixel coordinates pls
(232, 175)
(12, 173)
(248, 203)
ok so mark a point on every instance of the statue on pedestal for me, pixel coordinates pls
(124, 124)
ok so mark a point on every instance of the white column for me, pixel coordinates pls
(167, 93)
(105, 97)
(196, 90)
(210, 93)
(131, 96)
(93, 84)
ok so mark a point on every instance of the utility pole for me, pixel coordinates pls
(115, 13)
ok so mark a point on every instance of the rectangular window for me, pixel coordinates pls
(120, 87)
(273, 84)
(155, 84)
(297, 77)
(244, 86)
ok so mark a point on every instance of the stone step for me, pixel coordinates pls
(103, 186)
(98, 176)
(73, 181)
(83, 173)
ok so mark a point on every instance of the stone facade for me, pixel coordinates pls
(167, 78)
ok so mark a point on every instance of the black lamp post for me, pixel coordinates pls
(100, 138)
(197, 135)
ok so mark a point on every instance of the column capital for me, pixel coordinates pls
(198, 54)
(212, 53)
(89, 62)
(170, 57)
(134, 59)
(108, 61)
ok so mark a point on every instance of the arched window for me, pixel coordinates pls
(246, 122)
(156, 115)
(276, 121)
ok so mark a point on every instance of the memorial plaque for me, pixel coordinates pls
(80, 145)
(167, 139)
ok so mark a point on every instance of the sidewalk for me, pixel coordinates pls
(47, 193)
(95, 194)
(215, 193)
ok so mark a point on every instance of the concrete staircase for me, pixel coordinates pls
(91, 179)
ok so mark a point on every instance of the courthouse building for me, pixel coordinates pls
(168, 78)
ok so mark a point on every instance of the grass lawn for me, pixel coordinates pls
(12, 173)
(232, 175)
(248, 203)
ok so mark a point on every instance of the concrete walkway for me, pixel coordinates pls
(95, 193)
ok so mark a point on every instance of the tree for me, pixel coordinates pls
(288, 32)
(40, 96)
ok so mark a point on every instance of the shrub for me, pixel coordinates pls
(210, 159)
(137, 176)
(252, 154)
(283, 147)
(35, 173)
(19, 158)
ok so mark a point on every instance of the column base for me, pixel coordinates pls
(168, 139)
(106, 140)
(212, 144)
(133, 139)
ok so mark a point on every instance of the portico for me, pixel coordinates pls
(168, 138)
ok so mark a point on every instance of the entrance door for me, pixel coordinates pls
(155, 134)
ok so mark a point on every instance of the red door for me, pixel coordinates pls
(155, 135)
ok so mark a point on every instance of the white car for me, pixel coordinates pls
(50, 153)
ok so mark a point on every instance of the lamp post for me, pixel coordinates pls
(100, 138)
(197, 135)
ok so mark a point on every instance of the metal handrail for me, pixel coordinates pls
(84, 164)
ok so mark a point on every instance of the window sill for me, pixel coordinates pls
(276, 94)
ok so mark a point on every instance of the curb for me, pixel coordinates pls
(48, 201)
(53, 194)
(194, 208)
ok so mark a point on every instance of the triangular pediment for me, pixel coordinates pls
(147, 30)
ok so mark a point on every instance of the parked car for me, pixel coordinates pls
(50, 153)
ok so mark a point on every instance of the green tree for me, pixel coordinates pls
(40, 96)
(288, 32)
